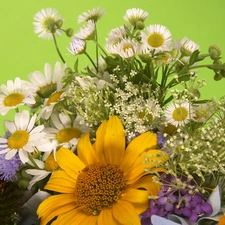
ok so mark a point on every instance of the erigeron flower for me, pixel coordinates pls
(135, 15)
(24, 137)
(179, 114)
(46, 167)
(64, 132)
(15, 94)
(87, 32)
(46, 83)
(202, 112)
(106, 182)
(77, 46)
(188, 46)
(93, 14)
(157, 37)
(45, 23)
(126, 48)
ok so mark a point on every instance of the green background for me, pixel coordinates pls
(22, 52)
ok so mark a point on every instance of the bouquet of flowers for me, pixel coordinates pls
(126, 140)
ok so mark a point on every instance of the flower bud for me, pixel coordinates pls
(69, 32)
(174, 53)
(217, 77)
(214, 52)
(59, 23)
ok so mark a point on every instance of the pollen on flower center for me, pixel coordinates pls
(67, 134)
(180, 114)
(13, 99)
(50, 163)
(127, 48)
(54, 98)
(99, 186)
(155, 40)
(18, 139)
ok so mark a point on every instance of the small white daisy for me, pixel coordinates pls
(188, 46)
(93, 14)
(15, 94)
(77, 46)
(134, 15)
(45, 23)
(46, 83)
(179, 114)
(45, 169)
(24, 136)
(64, 132)
(202, 112)
(157, 37)
(126, 48)
(87, 32)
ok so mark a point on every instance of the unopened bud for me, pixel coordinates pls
(217, 77)
(59, 23)
(214, 52)
(140, 25)
(69, 32)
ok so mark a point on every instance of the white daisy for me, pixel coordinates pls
(202, 112)
(93, 14)
(188, 46)
(135, 15)
(45, 169)
(24, 136)
(77, 46)
(87, 32)
(15, 94)
(64, 132)
(46, 83)
(126, 48)
(45, 23)
(157, 37)
(179, 114)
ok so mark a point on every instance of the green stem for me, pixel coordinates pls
(33, 162)
(99, 46)
(91, 61)
(57, 49)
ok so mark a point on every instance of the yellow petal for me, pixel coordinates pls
(55, 205)
(106, 217)
(61, 182)
(110, 141)
(69, 162)
(138, 145)
(85, 150)
(125, 213)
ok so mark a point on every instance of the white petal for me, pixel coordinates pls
(10, 154)
(23, 156)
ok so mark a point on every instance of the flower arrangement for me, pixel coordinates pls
(126, 140)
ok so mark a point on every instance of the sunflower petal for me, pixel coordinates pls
(85, 150)
(138, 145)
(61, 182)
(69, 162)
(125, 213)
(110, 141)
(55, 205)
(106, 217)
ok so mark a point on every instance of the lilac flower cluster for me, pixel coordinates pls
(177, 201)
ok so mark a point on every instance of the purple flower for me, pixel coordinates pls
(8, 168)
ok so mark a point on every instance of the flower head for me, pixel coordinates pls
(24, 137)
(135, 15)
(105, 181)
(77, 46)
(188, 46)
(45, 23)
(87, 32)
(15, 94)
(157, 37)
(93, 14)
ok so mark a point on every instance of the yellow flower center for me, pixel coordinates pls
(180, 114)
(18, 139)
(13, 99)
(155, 40)
(54, 98)
(127, 47)
(50, 163)
(99, 186)
(67, 134)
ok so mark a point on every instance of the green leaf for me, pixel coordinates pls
(194, 57)
(76, 66)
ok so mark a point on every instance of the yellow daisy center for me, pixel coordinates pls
(13, 99)
(54, 98)
(50, 163)
(18, 139)
(67, 134)
(127, 47)
(180, 114)
(99, 186)
(155, 40)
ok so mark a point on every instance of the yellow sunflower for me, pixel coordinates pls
(106, 183)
